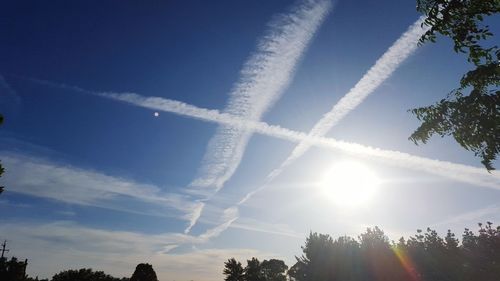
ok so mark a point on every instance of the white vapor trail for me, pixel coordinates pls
(458, 172)
(377, 74)
(263, 79)
(373, 78)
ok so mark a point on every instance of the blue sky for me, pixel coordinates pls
(96, 179)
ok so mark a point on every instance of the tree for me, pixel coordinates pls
(84, 274)
(425, 256)
(274, 270)
(233, 270)
(253, 271)
(314, 263)
(474, 119)
(144, 272)
(13, 270)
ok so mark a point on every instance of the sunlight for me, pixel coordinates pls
(350, 184)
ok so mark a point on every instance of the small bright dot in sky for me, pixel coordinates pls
(350, 184)
(156, 114)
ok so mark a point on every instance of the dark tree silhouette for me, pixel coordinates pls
(144, 272)
(426, 256)
(13, 270)
(274, 270)
(233, 270)
(314, 263)
(84, 274)
(253, 271)
(268, 270)
(474, 119)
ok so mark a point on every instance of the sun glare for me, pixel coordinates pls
(350, 184)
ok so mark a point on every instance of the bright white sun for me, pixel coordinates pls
(350, 184)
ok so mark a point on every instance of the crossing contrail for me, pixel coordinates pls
(459, 172)
(383, 68)
(262, 81)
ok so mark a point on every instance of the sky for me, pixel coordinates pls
(184, 133)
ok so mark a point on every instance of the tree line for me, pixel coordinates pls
(15, 270)
(371, 256)
(425, 256)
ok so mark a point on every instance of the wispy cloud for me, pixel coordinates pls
(60, 245)
(259, 226)
(7, 93)
(475, 216)
(263, 79)
(229, 216)
(43, 178)
(40, 177)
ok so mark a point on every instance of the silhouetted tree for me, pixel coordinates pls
(144, 272)
(274, 270)
(481, 253)
(425, 256)
(233, 270)
(13, 270)
(474, 119)
(35, 279)
(253, 271)
(84, 274)
(315, 260)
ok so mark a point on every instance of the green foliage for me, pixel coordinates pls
(84, 274)
(474, 119)
(144, 272)
(233, 270)
(426, 256)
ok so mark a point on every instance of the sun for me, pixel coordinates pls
(350, 184)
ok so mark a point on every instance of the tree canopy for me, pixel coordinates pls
(84, 274)
(425, 256)
(472, 119)
(233, 270)
(267, 270)
(144, 272)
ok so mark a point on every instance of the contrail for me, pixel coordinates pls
(263, 79)
(373, 78)
(378, 73)
(459, 172)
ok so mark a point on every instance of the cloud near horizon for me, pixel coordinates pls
(57, 246)
(43, 178)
